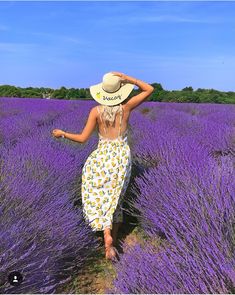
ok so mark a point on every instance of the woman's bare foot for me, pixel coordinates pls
(110, 253)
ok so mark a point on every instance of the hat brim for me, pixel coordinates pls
(106, 98)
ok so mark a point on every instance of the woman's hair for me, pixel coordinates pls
(108, 113)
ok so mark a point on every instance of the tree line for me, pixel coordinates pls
(187, 94)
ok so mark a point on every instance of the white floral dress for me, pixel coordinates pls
(105, 177)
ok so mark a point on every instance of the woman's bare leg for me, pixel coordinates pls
(108, 240)
(108, 243)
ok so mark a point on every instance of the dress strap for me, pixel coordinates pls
(120, 115)
(101, 119)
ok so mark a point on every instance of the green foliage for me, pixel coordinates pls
(8, 90)
(190, 88)
(157, 87)
(187, 94)
(60, 93)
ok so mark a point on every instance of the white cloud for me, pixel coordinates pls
(62, 38)
(154, 59)
(169, 18)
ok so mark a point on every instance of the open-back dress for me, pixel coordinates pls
(105, 177)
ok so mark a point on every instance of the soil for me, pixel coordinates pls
(98, 274)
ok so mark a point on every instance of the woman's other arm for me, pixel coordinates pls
(86, 133)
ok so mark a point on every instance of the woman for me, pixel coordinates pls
(106, 172)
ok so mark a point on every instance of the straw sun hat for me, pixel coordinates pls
(111, 91)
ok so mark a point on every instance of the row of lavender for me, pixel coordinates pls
(189, 150)
(43, 235)
(187, 193)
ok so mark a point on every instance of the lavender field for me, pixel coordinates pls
(183, 194)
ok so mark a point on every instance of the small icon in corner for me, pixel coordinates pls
(15, 278)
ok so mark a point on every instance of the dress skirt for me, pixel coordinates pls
(105, 177)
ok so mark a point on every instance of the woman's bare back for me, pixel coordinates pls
(113, 131)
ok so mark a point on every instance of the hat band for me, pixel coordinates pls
(111, 91)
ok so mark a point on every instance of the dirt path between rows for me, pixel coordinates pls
(98, 273)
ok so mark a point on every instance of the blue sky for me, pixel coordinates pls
(73, 44)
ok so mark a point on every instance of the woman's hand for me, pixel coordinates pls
(57, 133)
(121, 75)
